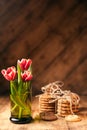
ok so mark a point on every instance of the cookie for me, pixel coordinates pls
(63, 101)
(67, 104)
(67, 108)
(62, 115)
(48, 116)
(47, 103)
(41, 111)
(45, 109)
(73, 118)
(48, 107)
(46, 97)
(67, 112)
(46, 100)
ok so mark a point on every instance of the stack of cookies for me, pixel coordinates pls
(47, 103)
(68, 104)
(55, 100)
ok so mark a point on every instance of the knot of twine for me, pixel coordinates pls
(53, 88)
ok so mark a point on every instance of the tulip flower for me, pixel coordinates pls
(26, 76)
(10, 73)
(24, 64)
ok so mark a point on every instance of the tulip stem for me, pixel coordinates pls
(14, 107)
(19, 74)
(19, 88)
(20, 112)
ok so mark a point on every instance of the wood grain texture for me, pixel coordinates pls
(59, 124)
(53, 33)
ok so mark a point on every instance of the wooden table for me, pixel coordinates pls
(59, 124)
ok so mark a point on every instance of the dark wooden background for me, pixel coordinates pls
(53, 33)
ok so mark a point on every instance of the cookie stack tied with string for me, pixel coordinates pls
(47, 100)
(68, 102)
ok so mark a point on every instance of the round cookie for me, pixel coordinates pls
(66, 112)
(67, 104)
(46, 100)
(63, 101)
(45, 97)
(46, 103)
(62, 115)
(73, 118)
(44, 109)
(47, 111)
(67, 108)
(48, 116)
(49, 107)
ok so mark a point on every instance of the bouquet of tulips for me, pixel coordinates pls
(20, 86)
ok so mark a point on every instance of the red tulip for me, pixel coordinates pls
(26, 76)
(25, 63)
(10, 73)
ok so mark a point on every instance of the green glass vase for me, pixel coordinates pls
(21, 97)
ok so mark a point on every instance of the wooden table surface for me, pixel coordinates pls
(59, 124)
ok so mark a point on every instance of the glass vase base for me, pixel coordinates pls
(20, 120)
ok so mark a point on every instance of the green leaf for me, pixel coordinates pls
(16, 99)
(13, 88)
(14, 107)
(25, 95)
